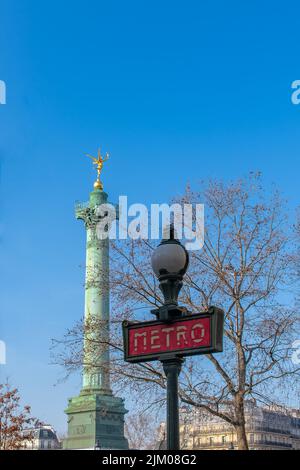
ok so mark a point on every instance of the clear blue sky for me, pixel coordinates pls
(175, 91)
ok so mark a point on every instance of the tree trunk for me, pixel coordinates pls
(241, 437)
(240, 427)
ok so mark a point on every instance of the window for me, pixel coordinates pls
(42, 444)
(251, 438)
(211, 441)
(223, 439)
(49, 444)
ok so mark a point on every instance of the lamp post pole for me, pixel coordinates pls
(169, 262)
(172, 369)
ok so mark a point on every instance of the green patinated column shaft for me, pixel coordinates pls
(96, 416)
(96, 349)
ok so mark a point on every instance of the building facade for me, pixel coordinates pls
(43, 438)
(267, 428)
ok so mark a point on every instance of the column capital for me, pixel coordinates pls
(88, 214)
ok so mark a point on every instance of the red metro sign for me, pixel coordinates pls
(200, 333)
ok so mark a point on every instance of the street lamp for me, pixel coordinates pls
(97, 445)
(175, 333)
(170, 262)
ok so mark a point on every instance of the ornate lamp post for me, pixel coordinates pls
(170, 262)
(175, 333)
(97, 445)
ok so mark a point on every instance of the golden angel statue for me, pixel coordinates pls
(99, 164)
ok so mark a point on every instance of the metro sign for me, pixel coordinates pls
(200, 333)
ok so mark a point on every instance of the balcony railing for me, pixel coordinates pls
(229, 445)
(250, 428)
(273, 443)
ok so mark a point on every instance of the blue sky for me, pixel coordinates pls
(175, 91)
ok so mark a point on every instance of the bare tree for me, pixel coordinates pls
(16, 423)
(297, 258)
(141, 429)
(245, 267)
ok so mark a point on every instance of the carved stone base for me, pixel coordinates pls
(95, 420)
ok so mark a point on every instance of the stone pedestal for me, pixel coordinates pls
(95, 420)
